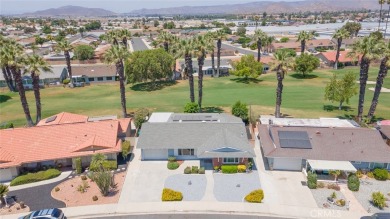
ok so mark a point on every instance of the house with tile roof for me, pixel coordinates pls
(328, 58)
(210, 137)
(58, 140)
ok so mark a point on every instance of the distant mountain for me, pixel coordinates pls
(265, 6)
(70, 10)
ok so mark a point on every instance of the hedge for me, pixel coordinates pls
(241, 168)
(173, 165)
(312, 180)
(255, 196)
(187, 170)
(380, 174)
(171, 195)
(35, 177)
(229, 169)
(6, 125)
(353, 182)
(125, 148)
(107, 165)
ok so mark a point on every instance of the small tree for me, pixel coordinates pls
(125, 149)
(311, 180)
(97, 162)
(39, 40)
(84, 52)
(140, 117)
(335, 173)
(103, 180)
(306, 63)
(240, 110)
(241, 31)
(3, 192)
(378, 199)
(247, 67)
(341, 90)
(284, 39)
(353, 182)
(191, 108)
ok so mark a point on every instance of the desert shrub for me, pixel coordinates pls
(320, 185)
(103, 180)
(340, 202)
(171, 195)
(35, 177)
(241, 168)
(194, 169)
(187, 170)
(78, 165)
(370, 175)
(66, 81)
(56, 189)
(125, 148)
(378, 199)
(201, 170)
(83, 177)
(172, 159)
(381, 174)
(353, 182)
(312, 180)
(216, 168)
(334, 187)
(255, 196)
(333, 195)
(229, 169)
(22, 204)
(95, 198)
(83, 187)
(173, 165)
(359, 174)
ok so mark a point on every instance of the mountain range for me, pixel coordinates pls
(74, 11)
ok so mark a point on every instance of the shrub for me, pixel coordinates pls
(240, 110)
(173, 165)
(320, 185)
(378, 199)
(107, 165)
(334, 187)
(381, 174)
(140, 117)
(370, 175)
(83, 187)
(229, 168)
(35, 177)
(191, 108)
(359, 174)
(66, 81)
(312, 180)
(171, 158)
(333, 195)
(95, 198)
(255, 196)
(216, 168)
(103, 180)
(6, 125)
(340, 202)
(125, 148)
(241, 168)
(353, 182)
(201, 170)
(22, 205)
(78, 165)
(171, 195)
(194, 169)
(187, 170)
(83, 177)
(56, 189)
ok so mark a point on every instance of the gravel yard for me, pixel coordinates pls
(192, 186)
(321, 196)
(234, 187)
(366, 189)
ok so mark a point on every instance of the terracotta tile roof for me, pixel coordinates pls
(41, 143)
(385, 130)
(124, 124)
(338, 144)
(331, 56)
(63, 118)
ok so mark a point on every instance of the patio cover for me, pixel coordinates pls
(331, 165)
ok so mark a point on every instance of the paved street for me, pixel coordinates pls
(192, 216)
(138, 44)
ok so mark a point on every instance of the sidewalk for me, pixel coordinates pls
(354, 204)
(146, 43)
(63, 175)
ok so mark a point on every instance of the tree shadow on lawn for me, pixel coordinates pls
(246, 80)
(331, 108)
(212, 109)
(4, 98)
(152, 86)
(300, 76)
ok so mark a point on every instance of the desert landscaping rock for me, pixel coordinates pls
(321, 196)
(366, 190)
(192, 186)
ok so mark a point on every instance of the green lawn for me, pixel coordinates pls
(301, 97)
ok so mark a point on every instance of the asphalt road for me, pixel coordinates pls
(138, 44)
(191, 216)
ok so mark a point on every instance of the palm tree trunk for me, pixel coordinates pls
(213, 62)
(18, 78)
(166, 46)
(37, 94)
(67, 57)
(188, 60)
(387, 21)
(4, 70)
(341, 104)
(200, 82)
(279, 91)
(258, 50)
(336, 62)
(303, 45)
(219, 45)
(124, 41)
(378, 87)
(121, 74)
(364, 67)
(10, 78)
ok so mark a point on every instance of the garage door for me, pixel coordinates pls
(287, 164)
(5, 175)
(154, 154)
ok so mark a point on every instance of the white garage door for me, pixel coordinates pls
(154, 154)
(5, 175)
(287, 164)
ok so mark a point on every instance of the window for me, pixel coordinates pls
(100, 78)
(91, 79)
(186, 152)
(356, 162)
(230, 160)
(109, 78)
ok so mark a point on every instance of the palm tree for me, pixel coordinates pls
(125, 35)
(3, 192)
(35, 65)
(381, 2)
(165, 38)
(258, 37)
(81, 31)
(65, 46)
(8, 77)
(185, 49)
(256, 18)
(201, 46)
(117, 55)
(219, 36)
(304, 36)
(112, 36)
(10, 56)
(369, 48)
(339, 36)
(384, 67)
(282, 62)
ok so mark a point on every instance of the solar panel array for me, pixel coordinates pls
(294, 139)
(51, 119)
(193, 118)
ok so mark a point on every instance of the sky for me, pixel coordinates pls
(119, 6)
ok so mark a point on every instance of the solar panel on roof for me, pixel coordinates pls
(193, 118)
(294, 139)
(51, 119)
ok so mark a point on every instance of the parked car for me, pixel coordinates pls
(51, 213)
